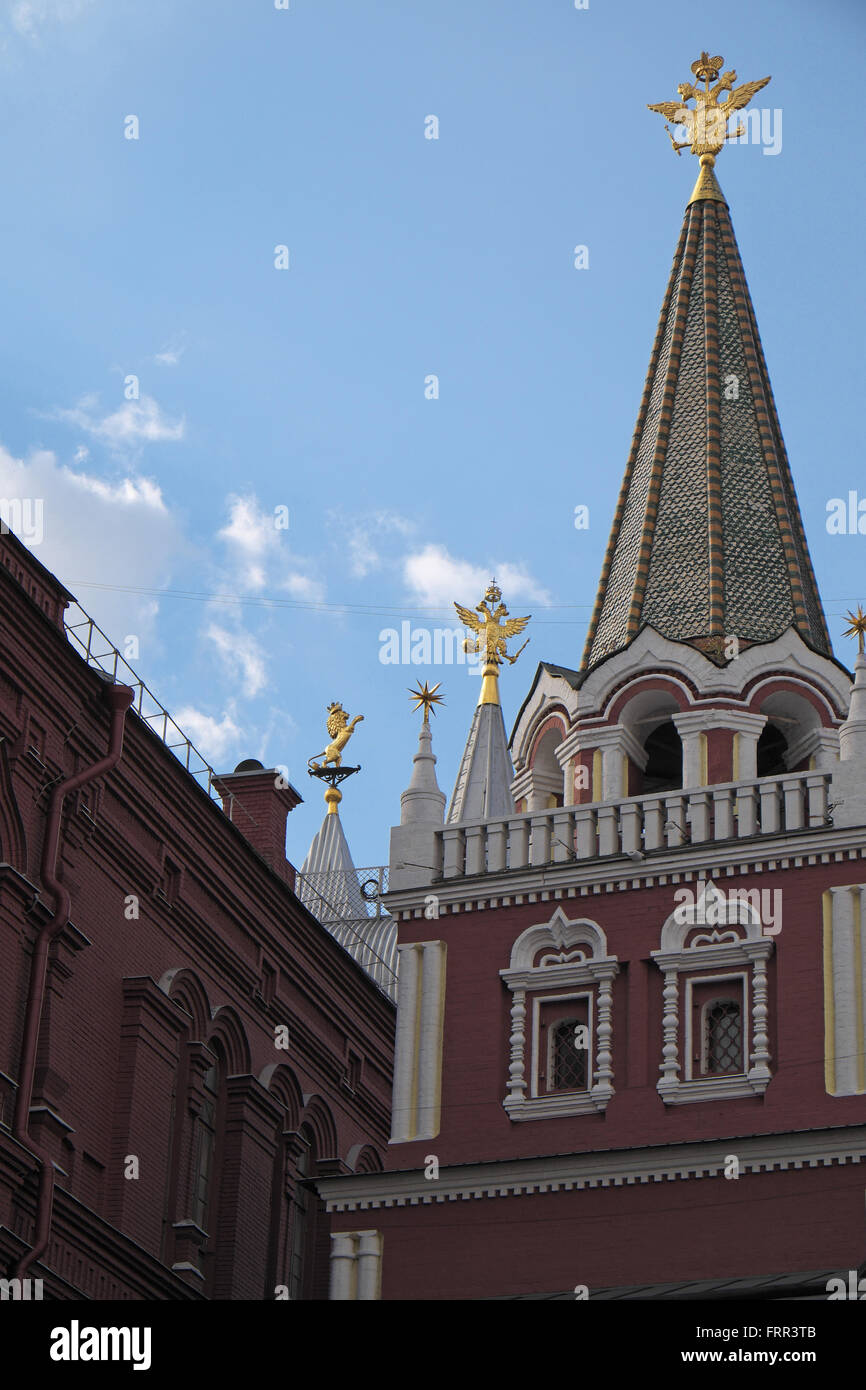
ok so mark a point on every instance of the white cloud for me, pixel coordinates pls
(29, 16)
(242, 654)
(250, 528)
(128, 492)
(359, 534)
(435, 578)
(262, 557)
(133, 423)
(171, 354)
(212, 737)
(118, 533)
(82, 454)
(301, 587)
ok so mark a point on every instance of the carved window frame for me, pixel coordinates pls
(733, 944)
(574, 960)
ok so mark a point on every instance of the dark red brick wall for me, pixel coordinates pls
(132, 1004)
(705, 1228)
(475, 1127)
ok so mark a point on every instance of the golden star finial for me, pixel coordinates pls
(858, 627)
(426, 697)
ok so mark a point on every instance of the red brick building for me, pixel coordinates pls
(630, 1037)
(183, 1047)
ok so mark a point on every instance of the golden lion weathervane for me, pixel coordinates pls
(340, 730)
(706, 125)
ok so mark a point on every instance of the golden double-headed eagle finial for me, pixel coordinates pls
(706, 124)
(492, 632)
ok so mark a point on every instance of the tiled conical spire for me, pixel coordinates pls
(483, 787)
(707, 540)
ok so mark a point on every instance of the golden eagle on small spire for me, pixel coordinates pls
(706, 125)
(491, 634)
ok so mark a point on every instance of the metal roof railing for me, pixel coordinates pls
(99, 651)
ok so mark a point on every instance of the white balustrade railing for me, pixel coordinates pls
(635, 825)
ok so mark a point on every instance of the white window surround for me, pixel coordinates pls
(734, 937)
(563, 999)
(574, 956)
(740, 997)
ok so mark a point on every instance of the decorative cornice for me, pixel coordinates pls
(592, 877)
(758, 1154)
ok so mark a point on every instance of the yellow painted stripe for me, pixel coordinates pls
(704, 762)
(596, 774)
(412, 1127)
(829, 1002)
(858, 991)
(440, 1040)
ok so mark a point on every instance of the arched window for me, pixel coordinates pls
(560, 979)
(716, 1006)
(207, 1159)
(205, 1150)
(303, 1233)
(664, 768)
(723, 1037)
(566, 1055)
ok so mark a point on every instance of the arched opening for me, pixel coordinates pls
(547, 782)
(209, 1143)
(308, 1267)
(664, 767)
(772, 752)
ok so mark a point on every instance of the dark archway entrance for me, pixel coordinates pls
(664, 769)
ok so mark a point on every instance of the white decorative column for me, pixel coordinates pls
(356, 1266)
(419, 1037)
(369, 1265)
(820, 743)
(603, 1087)
(617, 745)
(759, 1061)
(409, 975)
(342, 1266)
(845, 990)
(746, 727)
(516, 1068)
(670, 1067)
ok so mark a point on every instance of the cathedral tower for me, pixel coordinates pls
(630, 1035)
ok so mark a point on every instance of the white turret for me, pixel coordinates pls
(422, 811)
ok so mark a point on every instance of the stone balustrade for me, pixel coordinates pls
(635, 825)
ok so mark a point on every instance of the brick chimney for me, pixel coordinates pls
(258, 801)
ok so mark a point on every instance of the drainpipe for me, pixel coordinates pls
(119, 698)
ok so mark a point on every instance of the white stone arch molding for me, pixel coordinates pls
(638, 695)
(542, 770)
(718, 934)
(809, 731)
(559, 959)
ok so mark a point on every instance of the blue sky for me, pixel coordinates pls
(304, 388)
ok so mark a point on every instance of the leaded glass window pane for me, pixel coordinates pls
(724, 1040)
